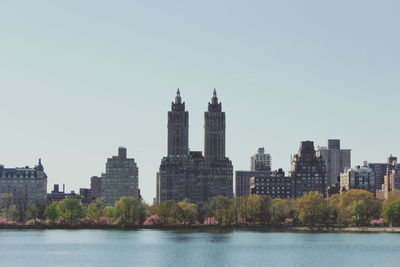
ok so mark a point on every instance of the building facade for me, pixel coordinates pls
(391, 182)
(28, 185)
(95, 187)
(189, 174)
(308, 171)
(274, 184)
(260, 161)
(380, 170)
(336, 160)
(120, 179)
(358, 178)
(242, 181)
(57, 195)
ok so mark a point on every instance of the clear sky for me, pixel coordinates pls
(80, 78)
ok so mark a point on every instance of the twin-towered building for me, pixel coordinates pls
(190, 174)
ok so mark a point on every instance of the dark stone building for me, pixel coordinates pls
(95, 187)
(191, 175)
(57, 195)
(308, 171)
(274, 184)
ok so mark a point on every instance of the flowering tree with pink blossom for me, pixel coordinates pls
(61, 221)
(152, 220)
(104, 221)
(86, 221)
(377, 223)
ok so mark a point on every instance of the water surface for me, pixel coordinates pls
(194, 248)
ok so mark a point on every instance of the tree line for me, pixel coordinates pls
(353, 208)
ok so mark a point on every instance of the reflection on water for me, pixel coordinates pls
(195, 248)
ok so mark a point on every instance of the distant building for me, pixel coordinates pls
(28, 185)
(308, 171)
(391, 182)
(380, 170)
(189, 174)
(336, 160)
(120, 178)
(85, 194)
(57, 195)
(242, 181)
(358, 178)
(260, 161)
(274, 184)
(95, 187)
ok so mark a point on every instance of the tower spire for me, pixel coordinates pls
(214, 105)
(178, 98)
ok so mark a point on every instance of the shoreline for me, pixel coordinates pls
(257, 228)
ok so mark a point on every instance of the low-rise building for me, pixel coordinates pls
(57, 195)
(274, 184)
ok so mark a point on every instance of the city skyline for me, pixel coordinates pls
(77, 89)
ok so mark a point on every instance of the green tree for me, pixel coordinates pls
(108, 211)
(32, 212)
(164, 211)
(391, 213)
(51, 212)
(70, 209)
(129, 211)
(346, 199)
(282, 209)
(95, 209)
(221, 208)
(333, 202)
(393, 196)
(190, 211)
(358, 212)
(6, 203)
(254, 209)
(312, 208)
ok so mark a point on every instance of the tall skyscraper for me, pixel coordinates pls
(214, 130)
(120, 179)
(261, 161)
(336, 160)
(178, 128)
(308, 171)
(189, 174)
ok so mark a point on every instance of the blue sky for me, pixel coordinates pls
(80, 78)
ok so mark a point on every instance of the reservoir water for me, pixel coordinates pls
(195, 248)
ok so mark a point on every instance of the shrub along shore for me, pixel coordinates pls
(211, 228)
(352, 211)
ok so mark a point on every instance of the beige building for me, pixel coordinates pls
(336, 160)
(120, 179)
(260, 161)
(358, 178)
(28, 185)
